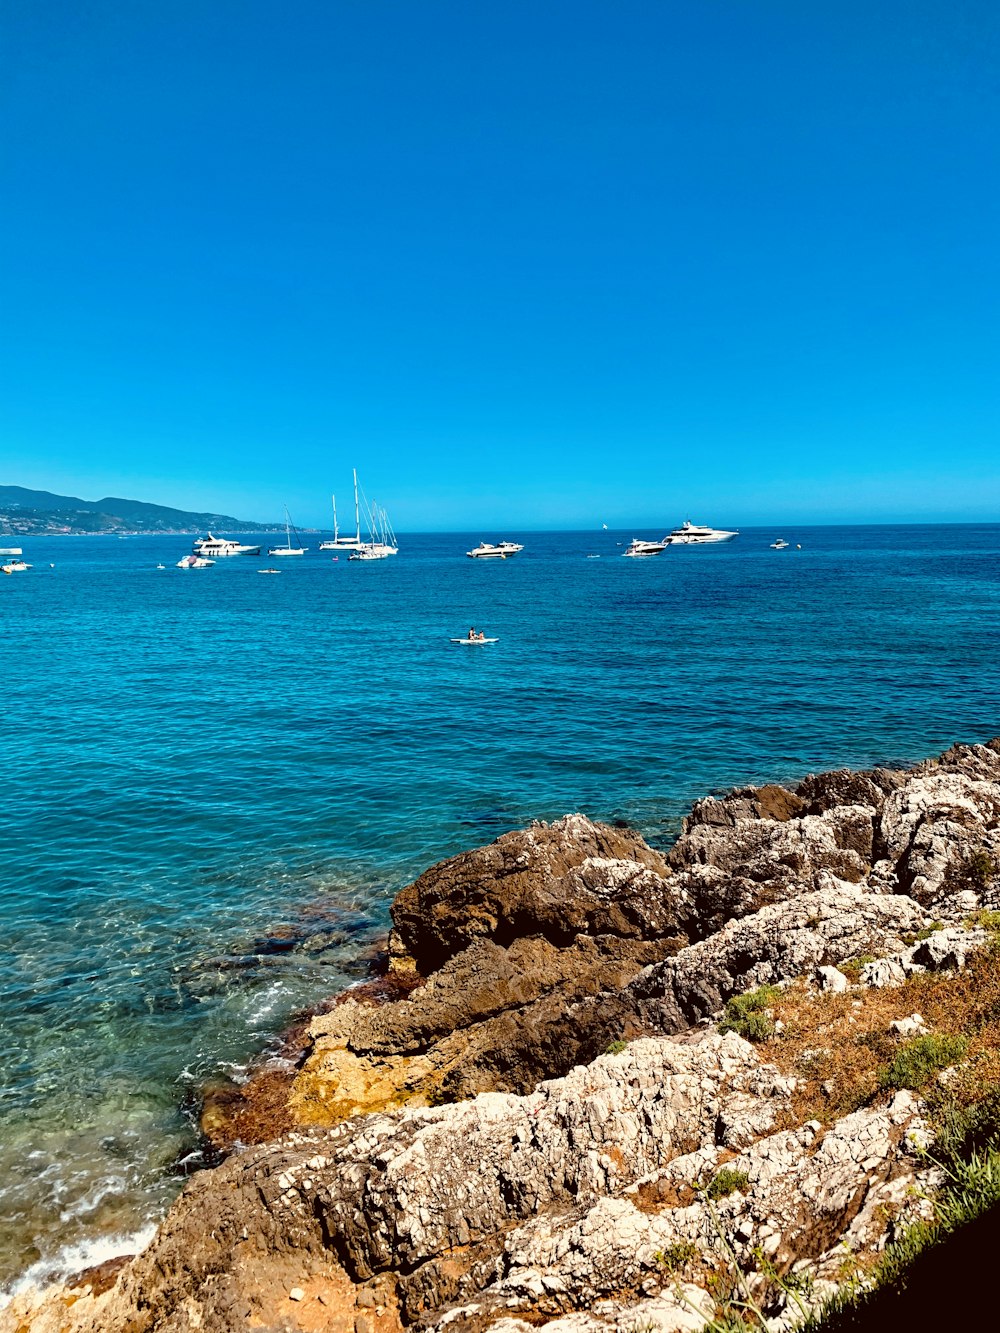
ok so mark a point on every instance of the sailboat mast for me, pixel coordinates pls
(357, 511)
(288, 535)
(334, 499)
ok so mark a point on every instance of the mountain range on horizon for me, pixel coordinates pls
(25, 512)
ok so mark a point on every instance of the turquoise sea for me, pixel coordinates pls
(214, 782)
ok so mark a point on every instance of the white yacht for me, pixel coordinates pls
(288, 548)
(639, 547)
(494, 550)
(695, 534)
(11, 550)
(213, 547)
(194, 562)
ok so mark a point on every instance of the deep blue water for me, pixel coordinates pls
(192, 760)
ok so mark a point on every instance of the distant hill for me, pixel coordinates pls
(24, 512)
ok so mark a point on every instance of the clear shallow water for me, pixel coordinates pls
(195, 761)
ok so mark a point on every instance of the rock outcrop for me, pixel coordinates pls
(507, 939)
(547, 1128)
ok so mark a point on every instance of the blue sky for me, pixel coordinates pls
(541, 265)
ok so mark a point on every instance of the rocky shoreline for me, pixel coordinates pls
(555, 1107)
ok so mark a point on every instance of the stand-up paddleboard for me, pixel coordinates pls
(475, 640)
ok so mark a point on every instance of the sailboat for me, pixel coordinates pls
(288, 548)
(346, 543)
(382, 541)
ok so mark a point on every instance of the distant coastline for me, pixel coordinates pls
(27, 513)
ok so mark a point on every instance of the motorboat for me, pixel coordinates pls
(495, 550)
(489, 551)
(213, 547)
(695, 534)
(779, 545)
(11, 550)
(268, 571)
(194, 562)
(477, 639)
(639, 547)
(15, 567)
(288, 548)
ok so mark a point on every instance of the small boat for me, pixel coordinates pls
(15, 567)
(268, 571)
(221, 546)
(779, 545)
(288, 548)
(194, 562)
(11, 550)
(477, 640)
(695, 534)
(639, 547)
(161, 566)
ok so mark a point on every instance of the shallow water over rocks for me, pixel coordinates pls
(202, 766)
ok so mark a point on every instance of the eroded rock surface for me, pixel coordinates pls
(579, 1203)
(509, 938)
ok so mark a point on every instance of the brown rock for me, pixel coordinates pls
(555, 880)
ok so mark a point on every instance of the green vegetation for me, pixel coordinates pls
(746, 1014)
(851, 967)
(978, 869)
(985, 920)
(971, 1189)
(615, 1047)
(726, 1181)
(928, 931)
(678, 1255)
(913, 1065)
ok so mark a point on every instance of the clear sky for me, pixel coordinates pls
(537, 264)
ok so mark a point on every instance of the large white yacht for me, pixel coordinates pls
(215, 546)
(694, 534)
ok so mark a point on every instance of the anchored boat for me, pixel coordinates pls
(288, 548)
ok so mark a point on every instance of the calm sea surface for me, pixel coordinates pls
(214, 782)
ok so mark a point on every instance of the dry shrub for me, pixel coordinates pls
(840, 1048)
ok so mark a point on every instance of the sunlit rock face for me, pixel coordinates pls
(472, 1155)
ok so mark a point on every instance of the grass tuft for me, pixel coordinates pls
(726, 1181)
(913, 1066)
(746, 1014)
